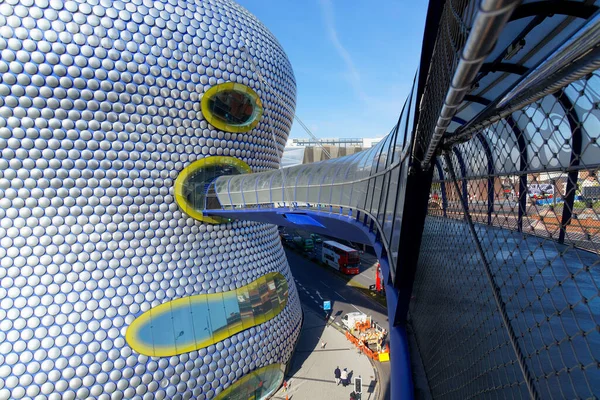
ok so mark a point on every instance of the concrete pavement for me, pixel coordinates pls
(316, 284)
(366, 277)
(311, 375)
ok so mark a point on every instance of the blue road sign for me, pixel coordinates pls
(327, 305)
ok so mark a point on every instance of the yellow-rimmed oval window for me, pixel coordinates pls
(232, 107)
(258, 384)
(193, 183)
(194, 322)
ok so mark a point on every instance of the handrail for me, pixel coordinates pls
(489, 21)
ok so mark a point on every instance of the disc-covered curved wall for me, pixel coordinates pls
(100, 110)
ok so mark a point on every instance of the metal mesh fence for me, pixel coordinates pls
(506, 297)
(457, 18)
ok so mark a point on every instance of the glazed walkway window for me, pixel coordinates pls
(194, 322)
(232, 107)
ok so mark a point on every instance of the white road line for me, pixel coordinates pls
(324, 284)
(339, 295)
(357, 309)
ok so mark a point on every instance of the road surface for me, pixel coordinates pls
(317, 284)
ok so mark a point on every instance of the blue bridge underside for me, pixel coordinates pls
(324, 223)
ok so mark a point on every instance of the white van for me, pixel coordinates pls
(349, 320)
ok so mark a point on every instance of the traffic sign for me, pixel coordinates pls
(327, 305)
(358, 384)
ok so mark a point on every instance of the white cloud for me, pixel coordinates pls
(353, 74)
(383, 101)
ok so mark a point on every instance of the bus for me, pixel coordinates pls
(343, 258)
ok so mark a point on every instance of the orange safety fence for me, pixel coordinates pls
(362, 347)
(363, 326)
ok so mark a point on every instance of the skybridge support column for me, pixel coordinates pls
(522, 144)
(463, 173)
(416, 196)
(414, 192)
(490, 179)
(414, 186)
(440, 170)
(572, 176)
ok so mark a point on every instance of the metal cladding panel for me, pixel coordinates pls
(99, 112)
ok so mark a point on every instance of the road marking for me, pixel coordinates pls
(324, 284)
(339, 295)
(319, 294)
(357, 309)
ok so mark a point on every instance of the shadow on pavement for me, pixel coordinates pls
(307, 342)
(316, 284)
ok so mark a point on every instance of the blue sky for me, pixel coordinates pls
(354, 61)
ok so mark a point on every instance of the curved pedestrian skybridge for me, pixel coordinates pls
(346, 182)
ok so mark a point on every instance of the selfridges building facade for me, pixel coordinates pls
(113, 284)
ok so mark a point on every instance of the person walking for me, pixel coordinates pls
(337, 374)
(344, 377)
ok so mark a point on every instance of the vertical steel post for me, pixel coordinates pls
(522, 144)
(442, 187)
(572, 176)
(463, 173)
(490, 179)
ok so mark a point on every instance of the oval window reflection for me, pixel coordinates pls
(194, 322)
(193, 192)
(232, 107)
(258, 384)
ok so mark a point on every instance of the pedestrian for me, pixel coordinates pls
(323, 344)
(344, 377)
(337, 374)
